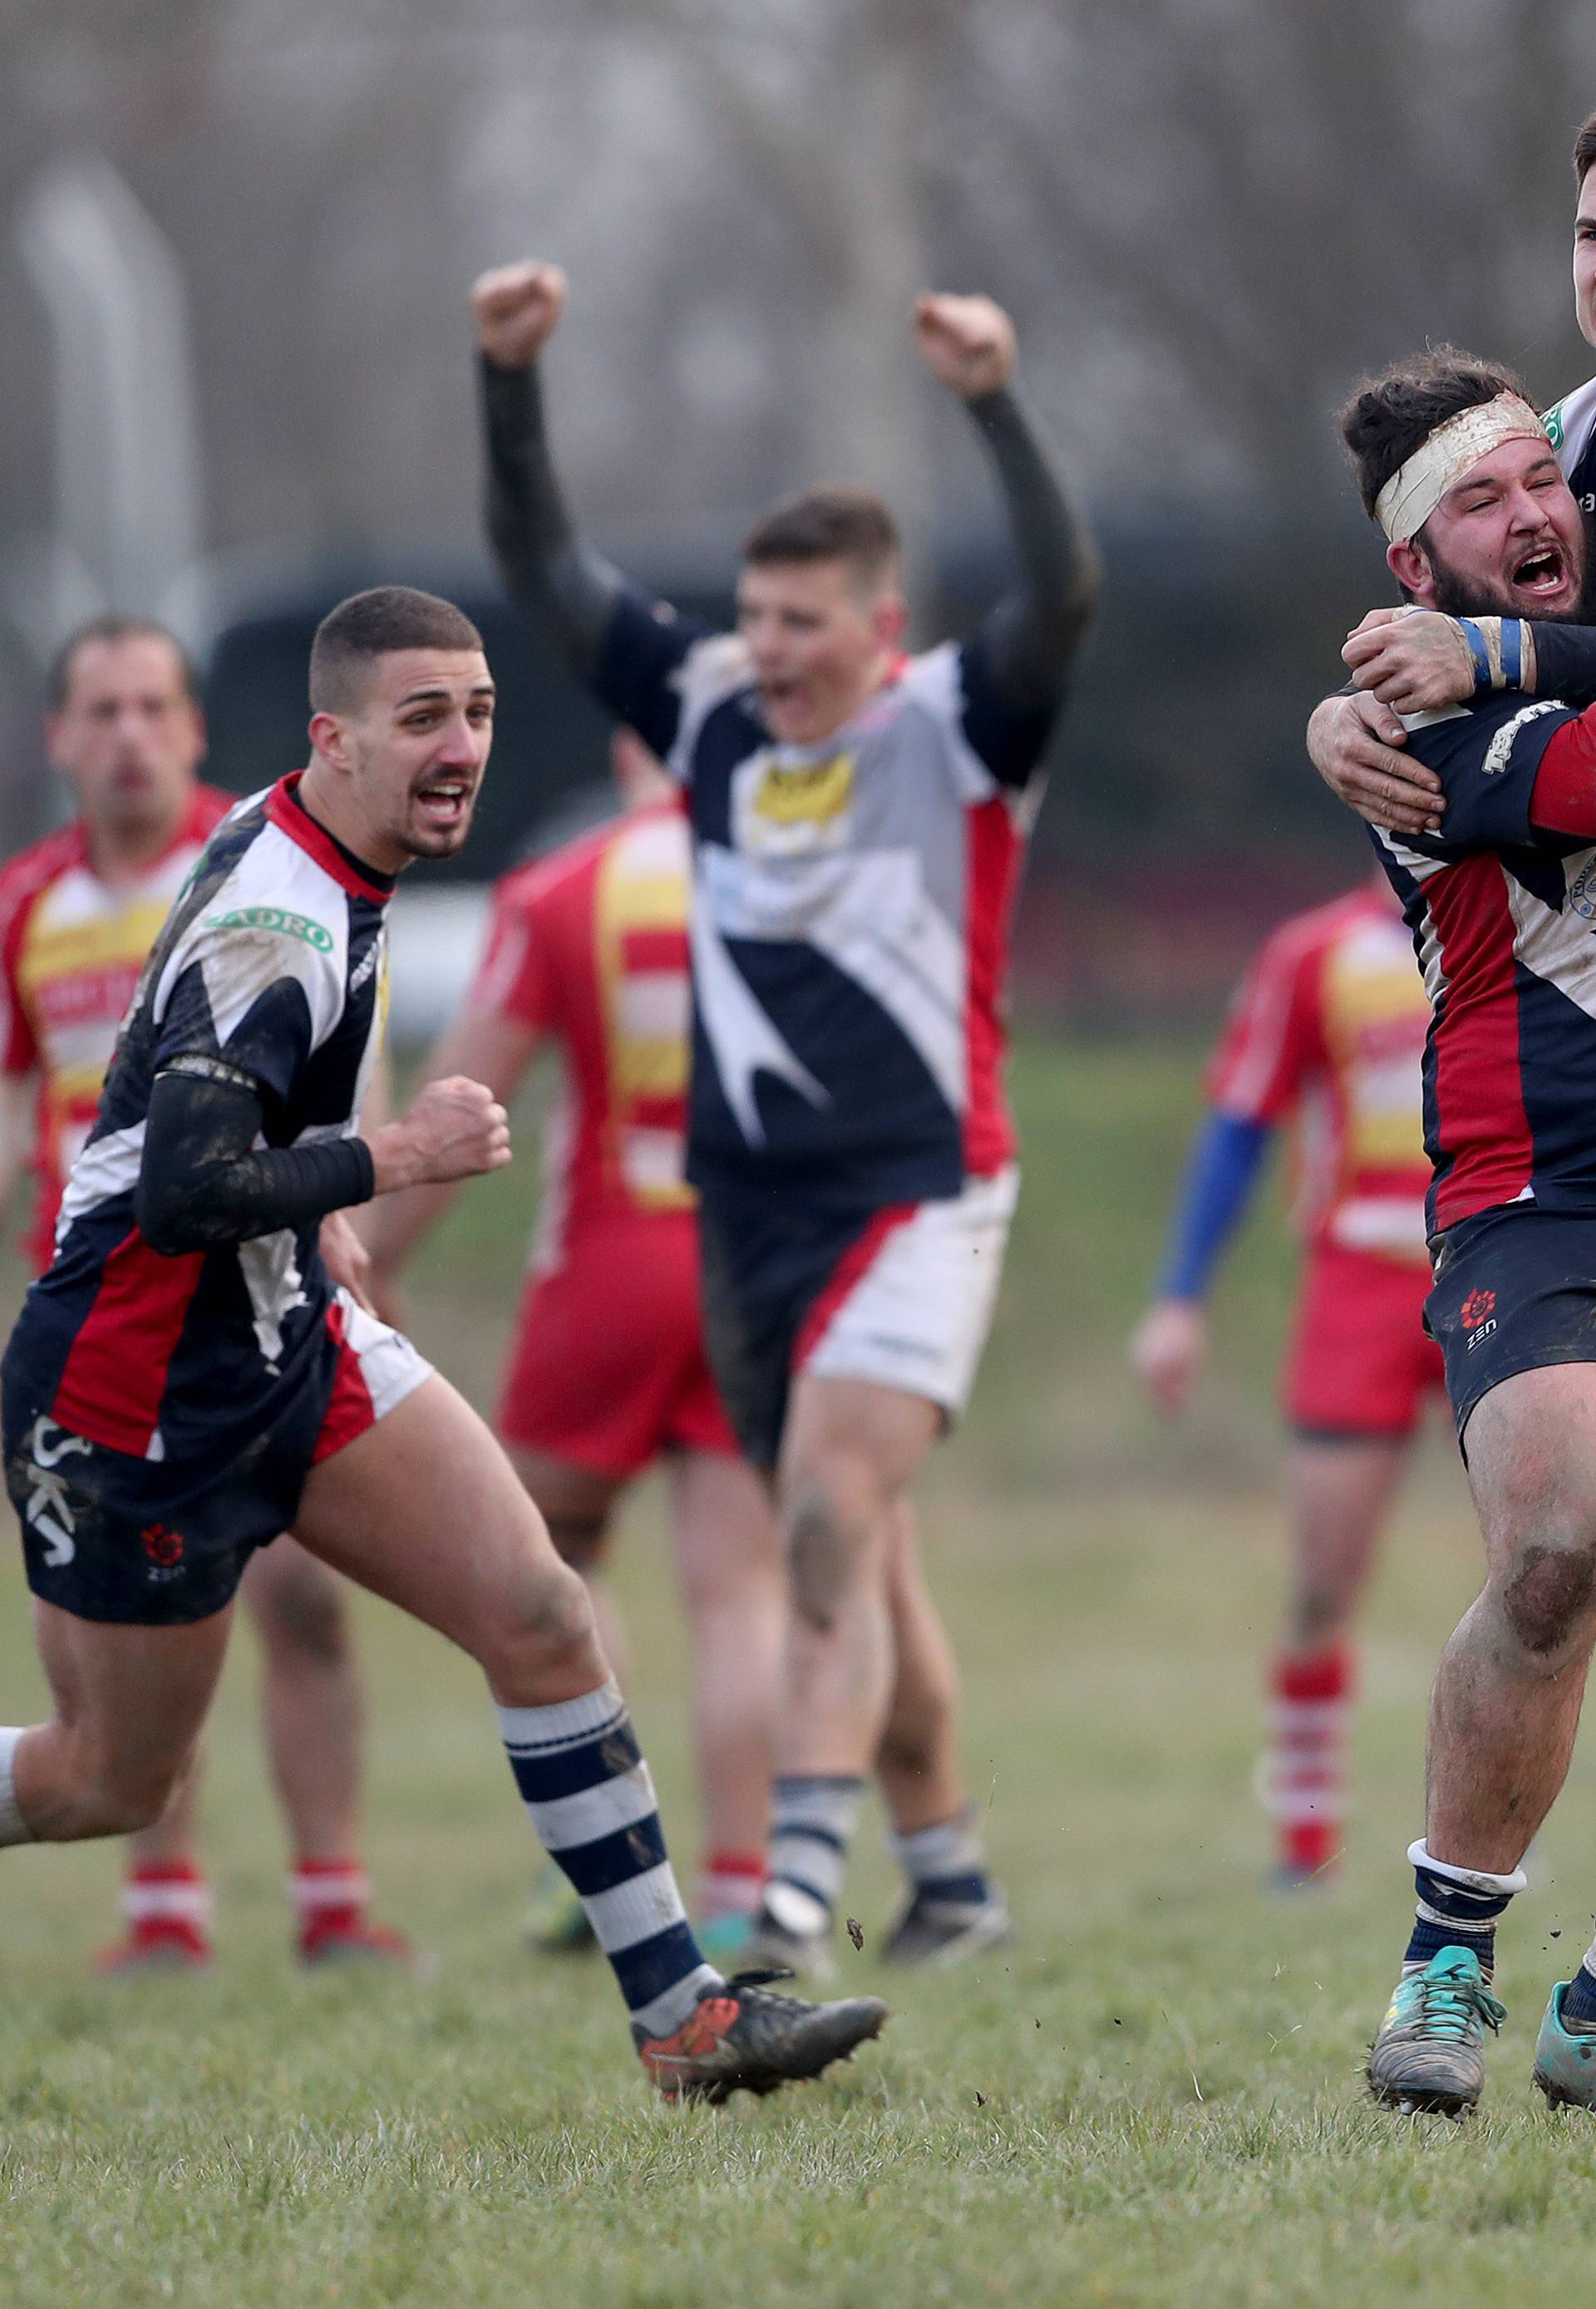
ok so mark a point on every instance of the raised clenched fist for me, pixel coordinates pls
(451, 1130)
(967, 342)
(517, 309)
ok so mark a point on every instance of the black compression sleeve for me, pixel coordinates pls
(1032, 636)
(204, 1184)
(540, 557)
(1565, 662)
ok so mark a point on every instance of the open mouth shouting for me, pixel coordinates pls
(443, 802)
(1543, 577)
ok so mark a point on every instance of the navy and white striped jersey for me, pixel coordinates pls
(1570, 423)
(271, 968)
(851, 914)
(1503, 919)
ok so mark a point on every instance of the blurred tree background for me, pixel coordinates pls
(1208, 217)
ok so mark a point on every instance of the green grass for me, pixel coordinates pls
(1153, 2099)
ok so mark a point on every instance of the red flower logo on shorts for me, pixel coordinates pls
(1478, 1307)
(162, 1547)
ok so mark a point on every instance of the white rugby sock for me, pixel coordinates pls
(14, 1828)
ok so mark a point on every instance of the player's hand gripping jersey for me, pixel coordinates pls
(851, 914)
(589, 948)
(1328, 1026)
(71, 950)
(268, 980)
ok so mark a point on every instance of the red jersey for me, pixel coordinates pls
(589, 946)
(71, 951)
(1328, 1026)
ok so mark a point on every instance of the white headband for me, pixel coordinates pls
(1415, 489)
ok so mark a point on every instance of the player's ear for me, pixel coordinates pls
(1409, 565)
(328, 738)
(891, 619)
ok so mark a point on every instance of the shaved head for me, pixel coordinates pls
(351, 638)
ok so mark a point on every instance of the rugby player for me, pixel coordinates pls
(186, 1381)
(858, 819)
(1458, 469)
(78, 911)
(586, 951)
(1327, 1028)
(1409, 663)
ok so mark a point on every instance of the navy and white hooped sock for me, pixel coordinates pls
(589, 1796)
(1579, 1998)
(1458, 1907)
(945, 1863)
(812, 1824)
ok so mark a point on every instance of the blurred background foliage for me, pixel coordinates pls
(1208, 217)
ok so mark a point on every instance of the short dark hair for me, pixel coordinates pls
(1388, 417)
(1584, 151)
(833, 522)
(372, 625)
(112, 627)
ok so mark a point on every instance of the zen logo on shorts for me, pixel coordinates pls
(47, 1510)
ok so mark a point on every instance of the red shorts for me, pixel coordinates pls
(1360, 1363)
(607, 1366)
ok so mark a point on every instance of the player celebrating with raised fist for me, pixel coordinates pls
(186, 1381)
(859, 817)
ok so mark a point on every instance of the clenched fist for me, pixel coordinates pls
(451, 1130)
(1167, 1348)
(967, 342)
(517, 309)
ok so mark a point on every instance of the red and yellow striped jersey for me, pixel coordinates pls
(589, 946)
(71, 950)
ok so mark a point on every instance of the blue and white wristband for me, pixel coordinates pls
(1497, 646)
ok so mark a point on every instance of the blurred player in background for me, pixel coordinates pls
(1327, 1029)
(859, 818)
(587, 949)
(78, 913)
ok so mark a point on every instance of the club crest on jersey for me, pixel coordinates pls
(1581, 891)
(788, 807)
(273, 918)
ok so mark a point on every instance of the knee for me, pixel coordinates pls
(1549, 1597)
(826, 1527)
(303, 1612)
(545, 1631)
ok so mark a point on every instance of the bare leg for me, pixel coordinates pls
(850, 1453)
(728, 1560)
(918, 1765)
(1337, 1497)
(129, 1706)
(425, 1511)
(310, 1697)
(577, 1503)
(1506, 1700)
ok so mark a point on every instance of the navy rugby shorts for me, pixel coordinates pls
(161, 1542)
(901, 1297)
(1514, 1290)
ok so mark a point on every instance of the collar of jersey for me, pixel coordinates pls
(823, 749)
(288, 814)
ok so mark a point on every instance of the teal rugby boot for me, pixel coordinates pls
(1565, 2058)
(1430, 2052)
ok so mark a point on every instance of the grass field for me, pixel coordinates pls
(1153, 2099)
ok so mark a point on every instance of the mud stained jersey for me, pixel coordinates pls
(272, 963)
